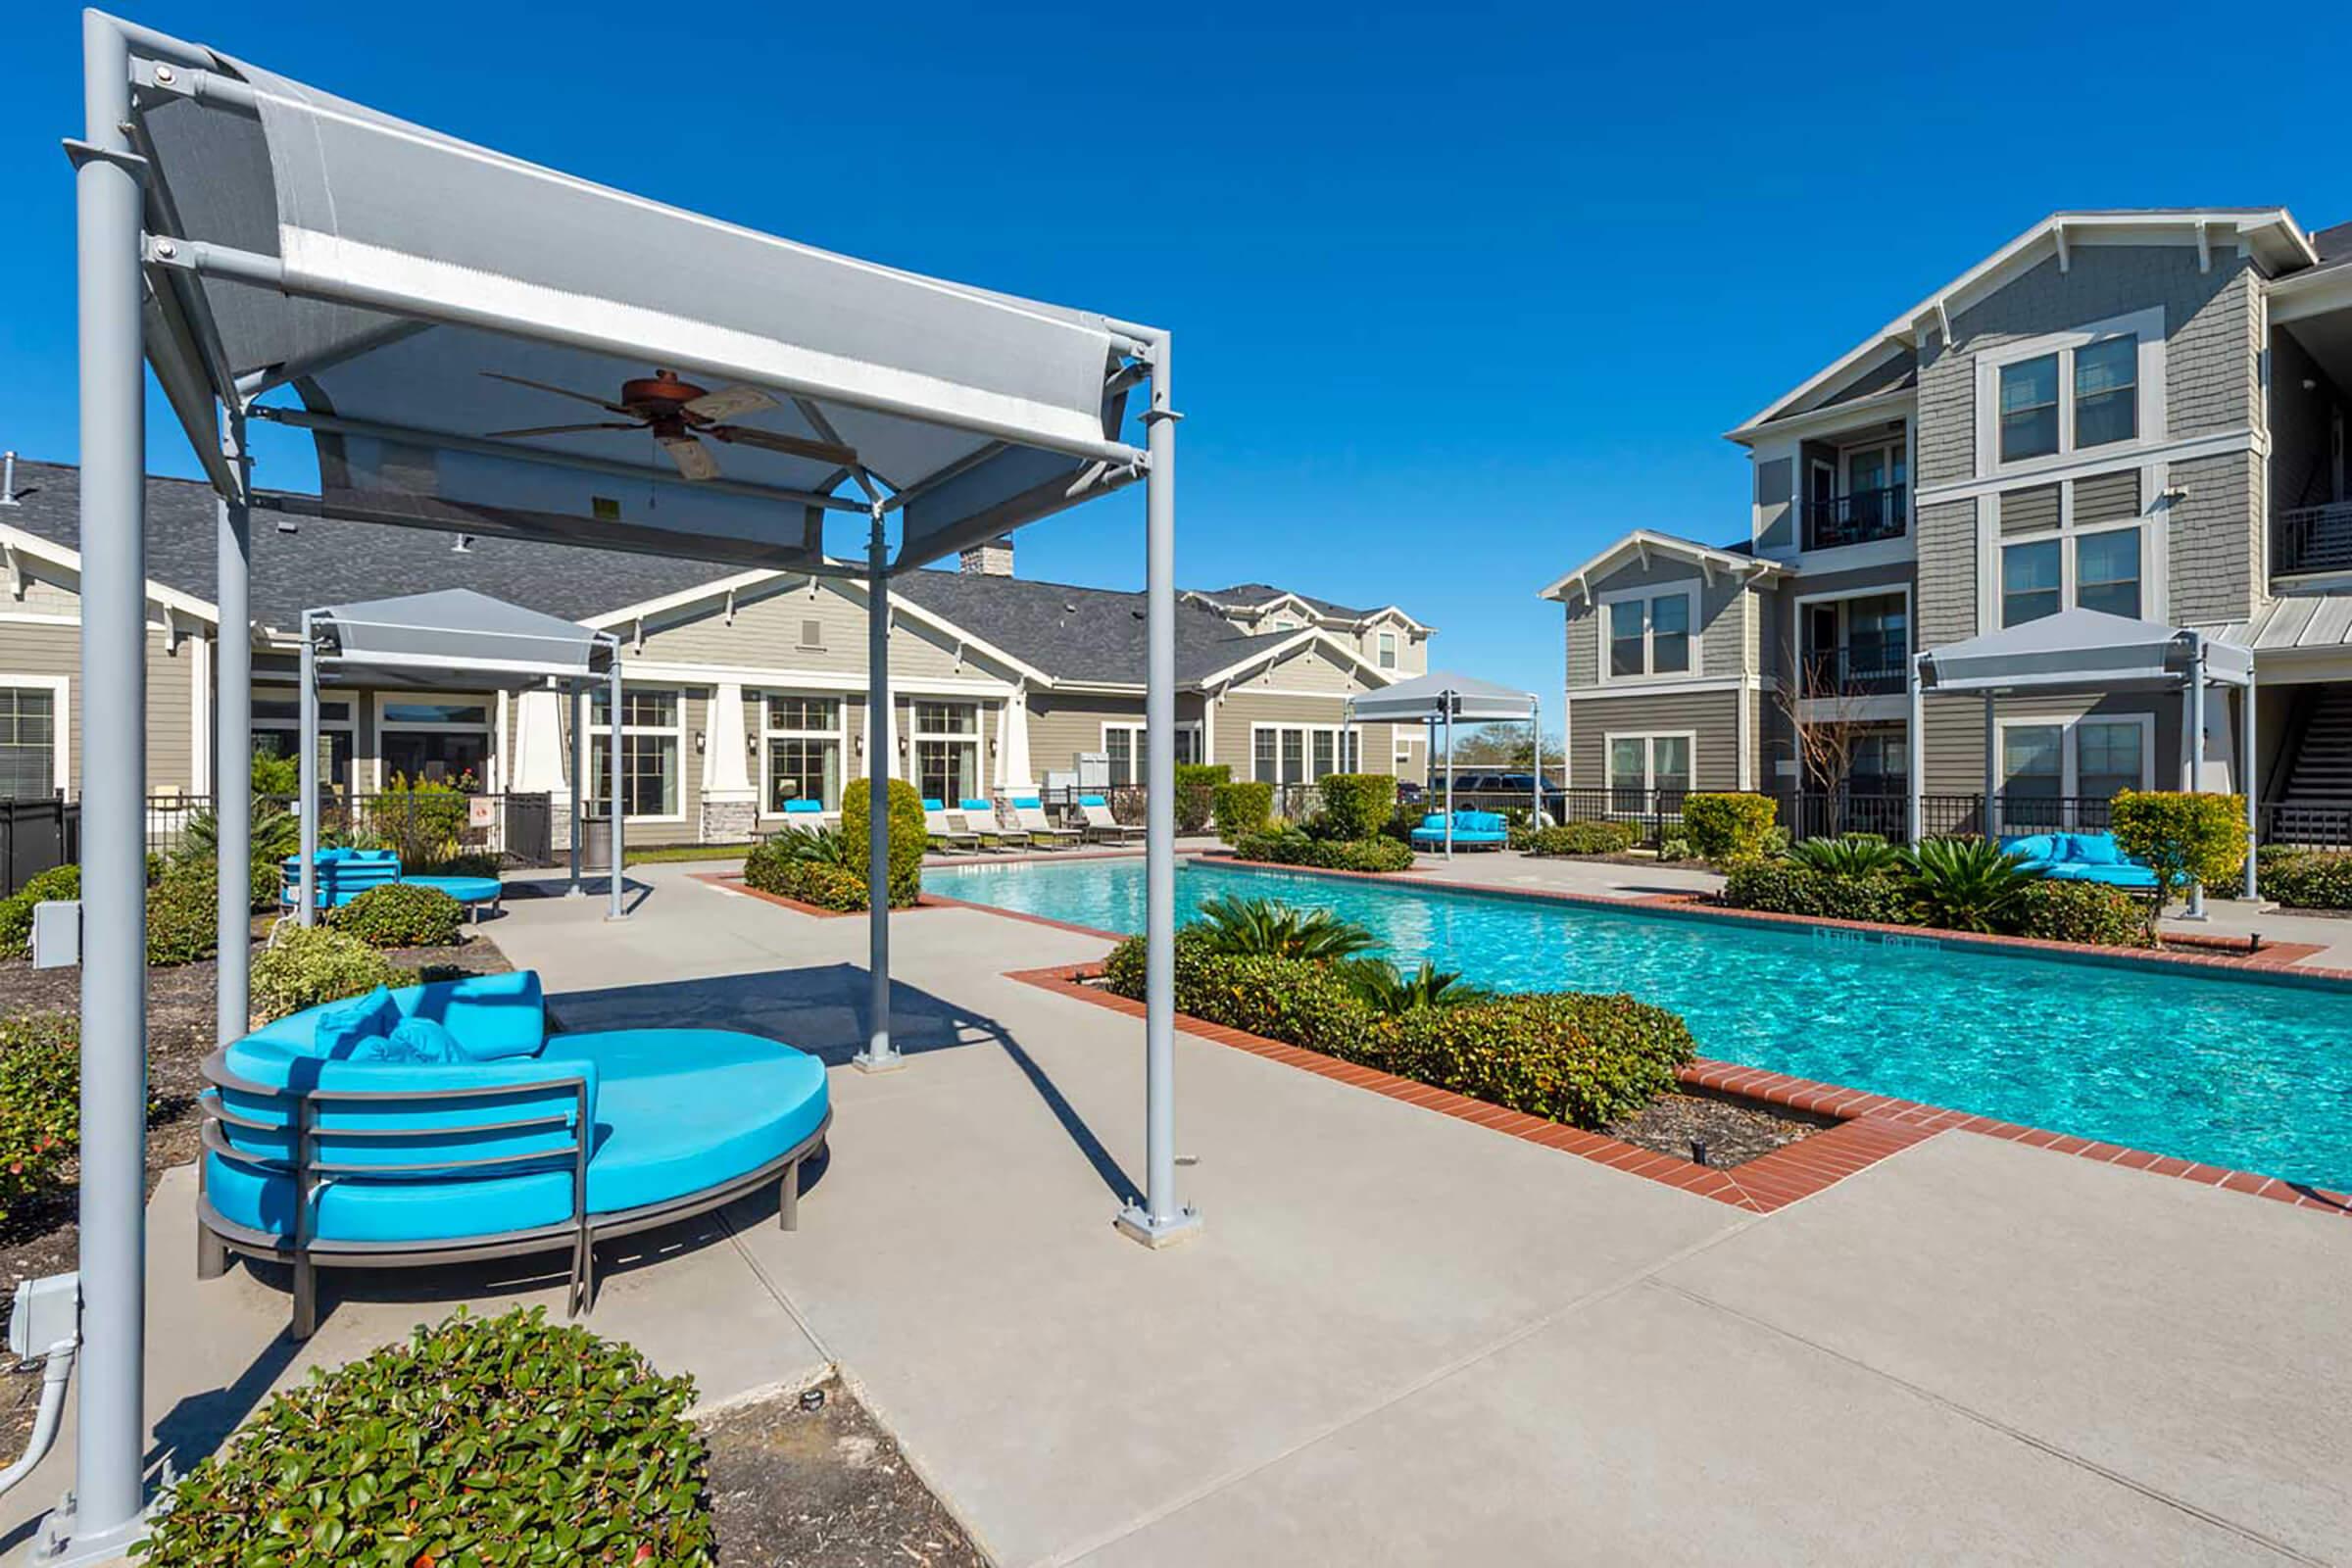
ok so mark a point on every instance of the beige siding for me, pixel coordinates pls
(770, 630)
(1712, 717)
(1061, 726)
(50, 651)
(1310, 668)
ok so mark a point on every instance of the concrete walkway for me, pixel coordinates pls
(1401, 1339)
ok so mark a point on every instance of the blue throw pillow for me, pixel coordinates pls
(422, 1041)
(340, 1028)
(2094, 849)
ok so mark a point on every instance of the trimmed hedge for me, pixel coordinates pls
(1241, 807)
(1355, 805)
(1195, 792)
(2081, 912)
(1566, 1056)
(1292, 847)
(40, 1100)
(1584, 838)
(909, 838)
(503, 1439)
(2182, 837)
(773, 867)
(1728, 828)
(1779, 888)
(402, 914)
(2304, 879)
(305, 965)
(183, 916)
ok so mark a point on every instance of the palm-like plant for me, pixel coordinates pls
(276, 834)
(822, 846)
(1967, 884)
(1387, 990)
(1854, 855)
(1268, 928)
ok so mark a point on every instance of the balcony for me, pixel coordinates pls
(2310, 539)
(1858, 669)
(1858, 518)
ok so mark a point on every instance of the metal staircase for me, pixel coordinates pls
(2318, 770)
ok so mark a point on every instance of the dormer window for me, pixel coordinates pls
(1388, 650)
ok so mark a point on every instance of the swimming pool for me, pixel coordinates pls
(2229, 1071)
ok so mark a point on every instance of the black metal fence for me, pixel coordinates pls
(1856, 518)
(426, 828)
(35, 835)
(2312, 539)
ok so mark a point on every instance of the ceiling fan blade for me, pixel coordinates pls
(831, 452)
(694, 460)
(560, 391)
(730, 402)
(558, 429)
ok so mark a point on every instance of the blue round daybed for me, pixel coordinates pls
(441, 1122)
(345, 875)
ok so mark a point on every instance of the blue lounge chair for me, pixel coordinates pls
(345, 875)
(2081, 858)
(346, 1134)
(1472, 830)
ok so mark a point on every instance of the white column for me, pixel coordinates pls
(726, 753)
(1993, 772)
(2250, 780)
(1013, 744)
(1915, 749)
(2197, 750)
(539, 762)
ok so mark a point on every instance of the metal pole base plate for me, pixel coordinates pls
(59, 1547)
(870, 1060)
(1135, 1222)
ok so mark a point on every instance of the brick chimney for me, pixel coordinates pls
(991, 560)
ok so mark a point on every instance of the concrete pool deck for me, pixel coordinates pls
(1402, 1337)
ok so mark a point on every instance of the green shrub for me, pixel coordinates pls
(401, 914)
(40, 1100)
(303, 966)
(2185, 838)
(1728, 828)
(276, 777)
(1291, 845)
(1388, 991)
(1584, 838)
(909, 837)
(1567, 1056)
(1195, 792)
(1300, 1001)
(2301, 879)
(1778, 887)
(1241, 807)
(2081, 911)
(1966, 884)
(183, 916)
(503, 1439)
(1853, 855)
(423, 819)
(474, 863)
(1274, 929)
(811, 866)
(1354, 805)
(1675, 848)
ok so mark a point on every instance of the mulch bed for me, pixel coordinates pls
(40, 1236)
(793, 1486)
(1734, 1131)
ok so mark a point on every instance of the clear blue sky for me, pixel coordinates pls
(1459, 296)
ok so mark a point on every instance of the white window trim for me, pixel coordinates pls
(1649, 755)
(603, 732)
(2152, 584)
(492, 758)
(1134, 729)
(976, 737)
(769, 731)
(2070, 772)
(1385, 650)
(61, 723)
(2150, 431)
(1605, 610)
(1339, 747)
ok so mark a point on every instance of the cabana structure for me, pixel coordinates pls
(480, 345)
(2090, 653)
(1440, 697)
(463, 640)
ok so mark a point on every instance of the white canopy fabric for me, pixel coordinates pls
(421, 296)
(2079, 648)
(1438, 694)
(453, 637)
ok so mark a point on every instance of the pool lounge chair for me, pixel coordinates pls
(804, 813)
(946, 830)
(443, 1122)
(1030, 813)
(1103, 828)
(981, 816)
(1472, 830)
(2081, 858)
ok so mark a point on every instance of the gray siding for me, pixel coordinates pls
(2213, 535)
(1946, 607)
(1955, 726)
(2032, 510)
(1725, 635)
(1714, 717)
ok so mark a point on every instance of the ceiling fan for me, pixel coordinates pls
(680, 415)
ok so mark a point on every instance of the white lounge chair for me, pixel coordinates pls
(1102, 826)
(1030, 813)
(981, 816)
(946, 830)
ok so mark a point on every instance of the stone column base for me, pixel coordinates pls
(730, 821)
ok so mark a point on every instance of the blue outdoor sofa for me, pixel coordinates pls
(442, 1122)
(2081, 858)
(345, 875)
(1472, 830)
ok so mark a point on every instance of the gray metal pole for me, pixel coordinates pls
(880, 1054)
(612, 772)
(2197, 750)
(1160, 1218)
(232, 743)
(1993, 772)
(2249, 779)
(1450, 776)
(307, 733)
(579, 785)
(110, 1441)
(1534, 752)
(1916, 750)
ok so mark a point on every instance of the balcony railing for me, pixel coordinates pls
(2307, 539)
(1857, 518)
(1858, 669)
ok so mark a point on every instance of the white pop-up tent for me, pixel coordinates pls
(1440, 697)
(479, 344)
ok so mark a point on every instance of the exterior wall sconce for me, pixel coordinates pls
(698, 743)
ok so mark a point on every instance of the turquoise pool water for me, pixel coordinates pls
(2236, 1072)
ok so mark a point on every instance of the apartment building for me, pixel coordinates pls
(2135, 411)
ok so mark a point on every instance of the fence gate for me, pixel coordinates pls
(35, 835)
(530, 830)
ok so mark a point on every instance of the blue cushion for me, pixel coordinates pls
(977, 805)
(414, 1039)
(341, 1026)
(934, 806)
(1089, 800)
(1024, 802)
(2034, 846)
(801, 807)
(495, 1016)
(464, 889)
(2093, 848)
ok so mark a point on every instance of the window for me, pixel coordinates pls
(2084, 759)
(650, 724)
(1650, 633)
(2107, 391)
(2030, 587)
(28, 743)
(1388, 650)
(803, 740)
(277, 732)
(1283, 754)
(947, 749)
(2029, 408)
(2108, 757)
(2032, 766)
(1124, 745)
(1644, 762)
(444, 739)
(1881, 762)
(2107, 572)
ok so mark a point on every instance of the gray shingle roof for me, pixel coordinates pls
(1253, 594)
(329, 562)
(1082, 635)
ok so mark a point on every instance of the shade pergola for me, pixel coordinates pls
(1439, 699)
(2085, 651)
(480, 344)
(453, 639)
